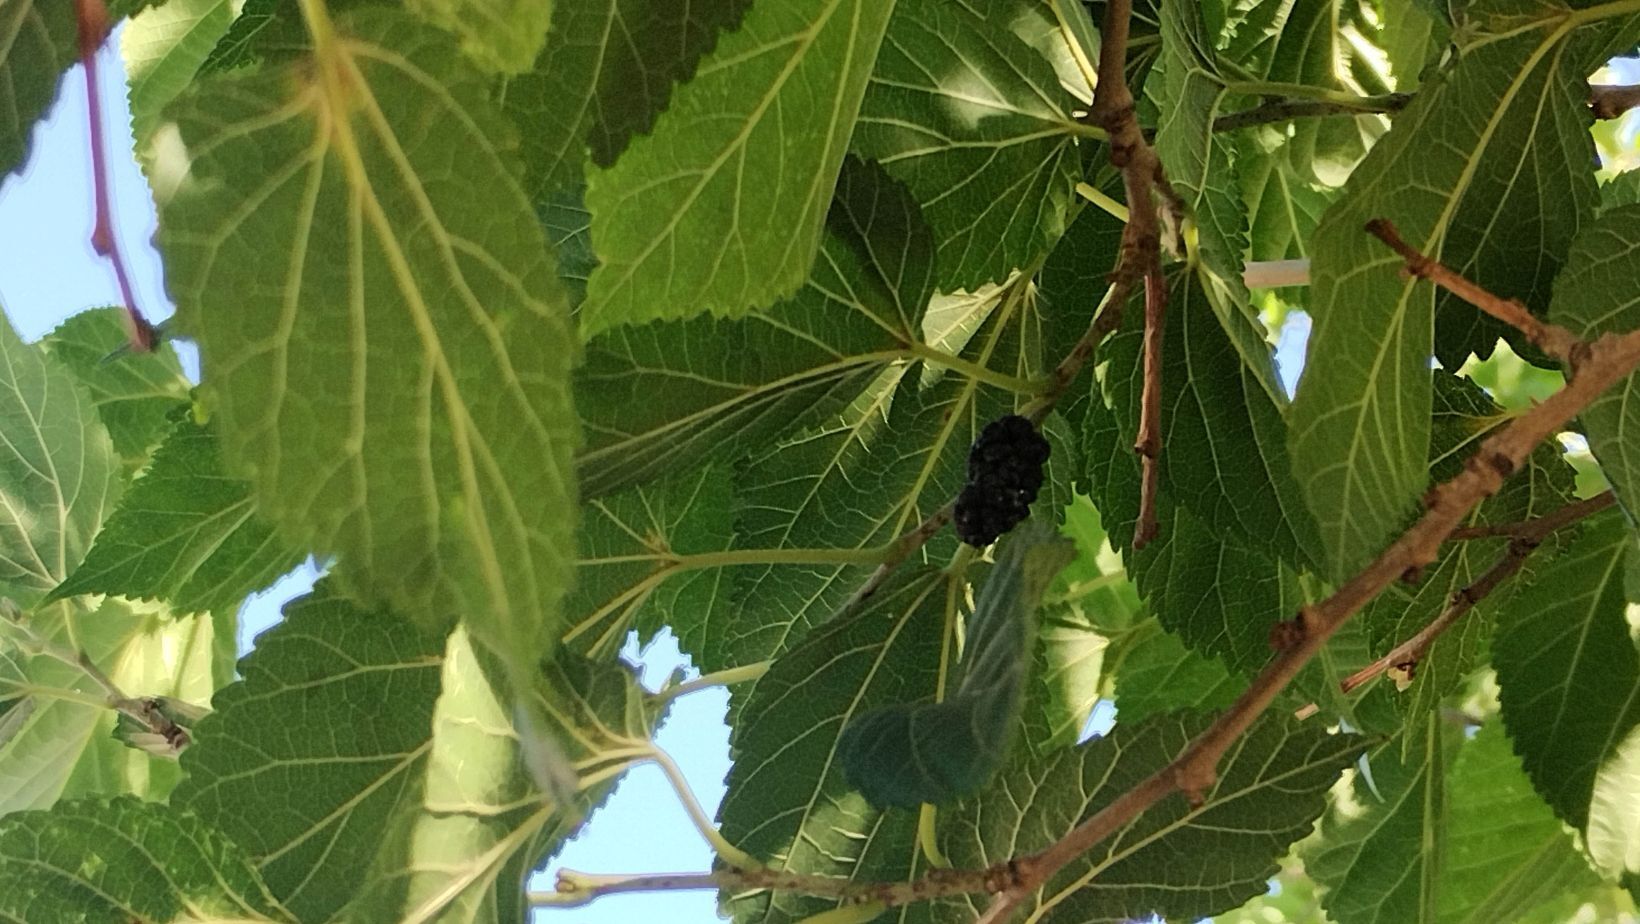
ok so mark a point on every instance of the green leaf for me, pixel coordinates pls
(291, 726)
(125, 860)
(1271, 787)
(1506, 854)
(466, 849)
(665, 396)
(58, 471)
(905, 754)
(134, 393)
(1380, 855)
(1448, 174)
(1570, 679)
(1157, 674)
(163, 48)
(975, 122)
(677, 227)
(37, 44)
(646, 563)
(787, 802)
(606, 73)
(394, 378)
(1594, 295)
(186, 533)
(64, 747)
(1463, 417)
(500, 35)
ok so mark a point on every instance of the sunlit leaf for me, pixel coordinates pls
(134, 393)
(163, 47)
(678, 230)
(975, 122)
(59, 475)
(501, 35)
(393, 371)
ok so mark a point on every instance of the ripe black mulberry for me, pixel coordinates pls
(1004, 476)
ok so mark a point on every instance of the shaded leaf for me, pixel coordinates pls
(645, 562)
(38, 42)
(186, 533)
(659, 398)
(787, 802)
(58, 472)
(1449, 174)
(125, 860)
(975, 122)
(292, 726)
(605, 75)
(677, 229)
(1157, 673)
(135, 393)
(1595, 295)
(1506, 854)
(1570, 679)
(1381, 853)
(431, 338)
(905, 754)
(1272, 785)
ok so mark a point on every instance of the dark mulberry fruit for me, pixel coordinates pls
(1004, 476)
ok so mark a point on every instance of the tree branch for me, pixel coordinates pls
(92, 19)
(1539, 526)
(1285, 109)
(1595, 367)
(1140, 258)
(1526, 537)
(1552, 339)
(1608, 101)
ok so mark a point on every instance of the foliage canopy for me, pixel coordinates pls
(547, 323)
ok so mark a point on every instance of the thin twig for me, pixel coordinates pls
(94, 27)
(901, 549)
(1552, 339)
(1106, 318)
(1282, 109)
(1149, 444)
(146, 711)
(576, 888)
(1596, 367)
(1525, 536)
(1543, 525)
(1608, 101)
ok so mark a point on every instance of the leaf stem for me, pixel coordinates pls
(727, 852)
(715, 679)
(1304, 91)
(974, 370)
(1110, 206)
(928, 836)
(869, 555)
(1287, 109)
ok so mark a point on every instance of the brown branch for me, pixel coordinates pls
(1539, 526)
(1595, 368)
(1552, 339)
(93, 23)
(1608, 101)
(1283, 109)
(1113, 110)
(1526, 537)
